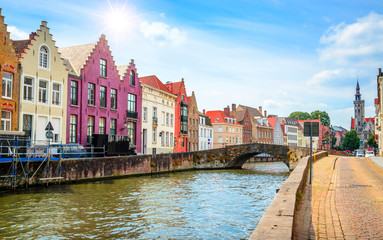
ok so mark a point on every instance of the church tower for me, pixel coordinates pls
(359, 110)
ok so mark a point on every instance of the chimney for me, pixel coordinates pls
(265, 114)
(203, 111)
(182, 79)
(44, 23)
(226, 110)
(233, 110)
(260, 110)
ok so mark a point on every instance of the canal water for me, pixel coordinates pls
(224, 204)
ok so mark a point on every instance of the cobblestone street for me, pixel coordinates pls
(347, 199)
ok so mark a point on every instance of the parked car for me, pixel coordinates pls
(370, 153)
(359, 153)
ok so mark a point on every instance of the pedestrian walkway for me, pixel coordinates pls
(346, 200)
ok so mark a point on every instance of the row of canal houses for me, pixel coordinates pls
(81, 92)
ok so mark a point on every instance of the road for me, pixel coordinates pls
(347, 199)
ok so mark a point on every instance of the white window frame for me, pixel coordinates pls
(145, 114)
(6, 120)
(33, 99)
(48, 57)
(38, 91)
(56, 130)
(55, 92)
(7, 82)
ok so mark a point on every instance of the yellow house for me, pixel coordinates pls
(43, 86)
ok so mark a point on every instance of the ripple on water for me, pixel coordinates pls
(189, 205)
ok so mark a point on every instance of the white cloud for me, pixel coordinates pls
(17, 34)
(356, 42)
(161, 33)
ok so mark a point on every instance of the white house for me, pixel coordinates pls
(291, 131)
(158, 116)
(277, 130)
(205, 132)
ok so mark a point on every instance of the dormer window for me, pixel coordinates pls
(132, 78)
(44, 57)
(103, 68)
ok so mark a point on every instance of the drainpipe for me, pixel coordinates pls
(18, 107)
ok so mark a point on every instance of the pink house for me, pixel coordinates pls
(97, 96)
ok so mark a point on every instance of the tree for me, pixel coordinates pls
(371, 141)
(300, 115)
(324, 118)
(351, 141)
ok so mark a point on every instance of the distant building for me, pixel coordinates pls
(205, 132)
(193, 123)
(363, 126)
(290, 130)
(277, 130)
(261, 130)
(227, 131)
(339, 134)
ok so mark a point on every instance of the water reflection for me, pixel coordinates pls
(189, 205)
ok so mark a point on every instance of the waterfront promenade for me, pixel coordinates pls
(346, 200)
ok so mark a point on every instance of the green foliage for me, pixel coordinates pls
(300, 115)
(324, 118)
(351, 141)
(333, 142)
(371, 141)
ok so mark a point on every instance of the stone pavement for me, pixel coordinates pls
(346, 200)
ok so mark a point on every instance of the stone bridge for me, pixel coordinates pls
(73, 170)
(235, 156)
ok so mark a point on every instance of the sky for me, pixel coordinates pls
(285, 56)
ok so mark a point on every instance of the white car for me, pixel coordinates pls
(359, 153)
(370, 154)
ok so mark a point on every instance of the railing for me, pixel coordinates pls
(131, 114)
(155, 121)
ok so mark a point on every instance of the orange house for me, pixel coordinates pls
(9, 70)
(181, 116)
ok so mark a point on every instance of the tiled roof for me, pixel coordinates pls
(188, 99)
(153, 81)
(272, 121)
(22, 45)
(174, 87)
(376, 100)
(77, 55)
(207, 119)
(252, 111)
(219, 116)
(370, 119)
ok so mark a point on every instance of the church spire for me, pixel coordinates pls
(357, 94)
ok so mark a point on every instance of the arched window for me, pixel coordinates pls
(132, 78)
(44, 57)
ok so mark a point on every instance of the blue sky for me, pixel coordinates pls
(283, 55)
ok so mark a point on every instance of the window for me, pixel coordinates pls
(132, 78)
(113, 99)
(6, 120)
(162, 135)
(73, 92)
(7, 85)
(220, 139)
(113, 126)
(167, 119)
(28, 89)
(132, 132)
(56, 94)
(102, 67)
(167, 139)
(103, 96)
(44, 57)
(43, 92)
(163, 118)
(102, 125)
(154, 135)
(27, 125)
(145, 114)
(73, 129)
(131, 102)
(91, 94)
(90, 129)
(171, 140)
(171, 119)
